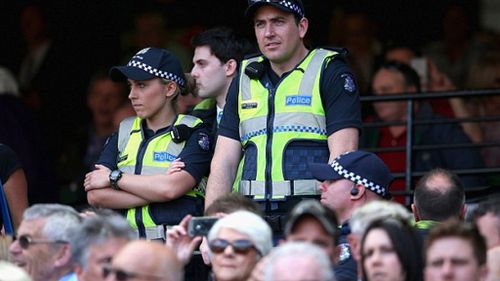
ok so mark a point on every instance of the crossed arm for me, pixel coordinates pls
(135, 190)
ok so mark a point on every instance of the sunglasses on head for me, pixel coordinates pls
(242, 246)
(25, 241)
(122, 275)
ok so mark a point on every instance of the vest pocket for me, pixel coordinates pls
(250, 164)
(298, 155)
(172, 212)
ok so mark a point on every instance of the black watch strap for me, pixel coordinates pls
(114, 177)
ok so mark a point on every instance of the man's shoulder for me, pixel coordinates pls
(339, 51)
(253, 55)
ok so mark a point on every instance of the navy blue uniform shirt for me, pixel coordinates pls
(196, 158)
(340, 99)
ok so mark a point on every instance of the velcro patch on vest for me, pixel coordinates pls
(249, 105)
(163, 157)
(121, 158)
(298, 100)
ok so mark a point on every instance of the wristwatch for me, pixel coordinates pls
(114, 177)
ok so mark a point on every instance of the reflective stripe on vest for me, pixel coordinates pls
(155, 158)
(280, 188)
(205, 104)
(298, 115)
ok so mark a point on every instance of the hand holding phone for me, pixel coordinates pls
(179, 240)
(200, 226)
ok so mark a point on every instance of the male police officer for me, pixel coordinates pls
(287, 107)
(217, 54)
(351, 181)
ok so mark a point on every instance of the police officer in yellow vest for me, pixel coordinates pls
(288, 107)
(132, 170)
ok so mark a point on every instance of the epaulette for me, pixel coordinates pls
(252, 55)
(343, 52)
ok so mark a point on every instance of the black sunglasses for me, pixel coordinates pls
(25, 241)
(242, 246)
(122, 275)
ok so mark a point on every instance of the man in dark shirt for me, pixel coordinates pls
(396, 78)
(286, 108)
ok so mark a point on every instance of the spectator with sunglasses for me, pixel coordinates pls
(237, 242)
(144, 260)
(42, 247)
(185, 245)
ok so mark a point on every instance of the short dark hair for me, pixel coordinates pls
(406, 243)
(410, 76)
(463, 230)
(398, 45)
(223, 43)
(441, 203)
(232, 202)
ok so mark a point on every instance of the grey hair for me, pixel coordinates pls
(60, 219)
(377, 210)
(299, 250)
(249, 224)
(96, 230)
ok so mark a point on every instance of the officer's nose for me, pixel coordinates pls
(132, 95)
(323, 186)
(269, 30)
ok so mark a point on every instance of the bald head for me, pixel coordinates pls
(439, 195)
(148, 259)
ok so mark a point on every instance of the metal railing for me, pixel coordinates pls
(410, 148)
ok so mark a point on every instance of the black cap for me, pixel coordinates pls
(150, 63)
(290, 6)
(313, 208)
(357, 166)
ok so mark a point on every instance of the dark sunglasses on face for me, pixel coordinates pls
(25, 241)
(241, 246)
(122, 275)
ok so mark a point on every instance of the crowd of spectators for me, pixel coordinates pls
(54, 242)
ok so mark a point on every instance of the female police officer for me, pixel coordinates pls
(131, 172)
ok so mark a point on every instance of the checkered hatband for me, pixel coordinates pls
(292, 6)
(157, 72)
(380, 190)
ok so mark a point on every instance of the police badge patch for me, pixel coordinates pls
(349, 84)
(203, 141)
(345, 252)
